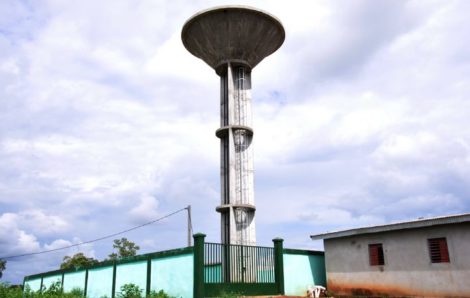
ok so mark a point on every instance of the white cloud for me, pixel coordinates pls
(14, 240)
(146, 210)
(59, 243)
(35, 222)
(408, 147)
(40, 223)
(342, 218)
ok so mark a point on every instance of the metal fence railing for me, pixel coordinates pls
(224, 263)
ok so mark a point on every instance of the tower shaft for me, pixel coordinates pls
(237, 196)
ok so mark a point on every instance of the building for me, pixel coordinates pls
(424, 257)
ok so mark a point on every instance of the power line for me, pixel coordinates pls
(94, 240)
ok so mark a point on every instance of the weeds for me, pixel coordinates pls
(229, 295)
(55, 291)
(160, 294)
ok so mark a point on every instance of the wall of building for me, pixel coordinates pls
(301, 270)
(407, 269)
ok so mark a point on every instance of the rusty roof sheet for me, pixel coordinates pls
(413, 224)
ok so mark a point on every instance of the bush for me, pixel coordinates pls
(7, 291)
(134, 291)
(229, 295)
(160, 294)
(130, 291)
(54, 291)
(76, 292)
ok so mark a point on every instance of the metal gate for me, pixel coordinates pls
(240, 269)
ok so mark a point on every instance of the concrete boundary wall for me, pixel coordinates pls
(171, 271)
(180, 273)
(303, 268)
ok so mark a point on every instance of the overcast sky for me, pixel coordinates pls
(106, 122)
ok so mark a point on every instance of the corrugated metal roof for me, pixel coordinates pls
(413, 224)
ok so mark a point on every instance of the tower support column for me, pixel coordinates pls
(237, 206)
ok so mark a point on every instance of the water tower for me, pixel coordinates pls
(233, 40)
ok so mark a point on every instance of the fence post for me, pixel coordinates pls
(149, 277)
(62, 283)
(279, 265)
(198, 289)
(86, 283)
(113, 291)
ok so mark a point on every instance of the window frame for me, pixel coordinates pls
(438, 250)
(376, 254)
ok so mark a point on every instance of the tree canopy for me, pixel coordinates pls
(79, 260)
(125, 248)
(3, 264)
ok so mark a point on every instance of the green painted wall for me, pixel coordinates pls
(100, 282)
(33, 284)
(73, 280)
(49, 280)
(302, 271)
(174, 275)
(135, 273)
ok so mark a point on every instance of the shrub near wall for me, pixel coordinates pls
(53, 291)
(7, 291)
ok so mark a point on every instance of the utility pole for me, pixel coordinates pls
(190, 225)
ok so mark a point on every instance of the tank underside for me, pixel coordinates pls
(232, 33)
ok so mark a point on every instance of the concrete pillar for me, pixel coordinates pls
(198, 289)
(279, 264)
(237, 206)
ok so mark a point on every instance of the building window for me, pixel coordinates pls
(376, 254)
(438, 251)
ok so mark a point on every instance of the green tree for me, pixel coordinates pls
(3, 265)
(79, 260)
(125, 248)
